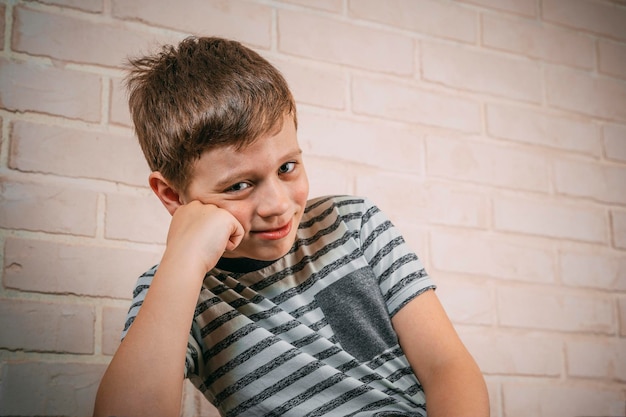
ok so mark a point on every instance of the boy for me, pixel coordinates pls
(270, 304)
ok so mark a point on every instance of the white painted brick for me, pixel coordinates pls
(595, 96)
(440, 19)
(26, 86)
(62, 268)
(539, 308)
(560, 399)
(342, 43)
(483, 72)
(329, 177)
(534, 39)
(597, 17)
(241, 20)
(94, 6)
(597, 358)
(593, 270)
(31, 388)
(612, 58)
(467, 302)
(60, 36)
(313, 85)
(495, 396)
(522, 7)
(118, 104)
(515, 353)
(47, 207)
(618, 223)
(43, 148)
(46, 326)
(359, 141)
(328, 5)
(622, 315)
(423, 202)
(397, 101)
(113, 320)
(615, 142)
(2, 24)
(604, 183)
(136, 218)
(541, 128)
(550, 218)
(486, 255)
(463, 159)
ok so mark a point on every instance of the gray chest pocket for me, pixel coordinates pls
(355, 309)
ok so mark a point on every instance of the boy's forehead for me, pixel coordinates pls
(263, 149)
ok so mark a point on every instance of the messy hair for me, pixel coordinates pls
(204, 93)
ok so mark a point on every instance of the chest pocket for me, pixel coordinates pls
(355, 309)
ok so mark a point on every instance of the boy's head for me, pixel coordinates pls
(205, 93)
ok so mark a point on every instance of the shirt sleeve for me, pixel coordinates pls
(400, 273)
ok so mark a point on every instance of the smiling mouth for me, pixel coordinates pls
(274, 234)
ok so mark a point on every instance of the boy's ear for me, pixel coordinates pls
(170, 198)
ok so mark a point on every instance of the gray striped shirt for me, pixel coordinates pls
(310, 334)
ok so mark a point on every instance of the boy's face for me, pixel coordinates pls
(263, 185)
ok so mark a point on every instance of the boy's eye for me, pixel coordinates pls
(239, 186)
(287, 167)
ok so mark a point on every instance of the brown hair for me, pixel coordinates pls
(207, 92)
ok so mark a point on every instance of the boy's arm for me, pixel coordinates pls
(453, 383)
(145, 376)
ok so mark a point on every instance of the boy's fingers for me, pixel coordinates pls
(236, 236)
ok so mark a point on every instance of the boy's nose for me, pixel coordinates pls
(274, 200)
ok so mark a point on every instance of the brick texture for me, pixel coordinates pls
(549, 218)
(26, 86)
(404, 103)
(619, 228)
(46, 327)
(522, 7)
(536, 40)
(45, 388)
(136, 218)
(599, 97)
(338, 42)
(41, 148)
(554, 399)
(245, 21)
(57, 268)
(423, 16)
(537, 127)
(612, 58)
(589, 16)
(113, 320)
(614, 142)
(52, 208)
(491, 132)
(466, 160)
(482, 72)
(48, 34)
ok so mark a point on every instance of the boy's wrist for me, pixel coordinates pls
(186, 264)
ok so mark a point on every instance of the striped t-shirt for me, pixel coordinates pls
(309, 334)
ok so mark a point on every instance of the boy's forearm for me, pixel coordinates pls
(145, 376)
(457, 390)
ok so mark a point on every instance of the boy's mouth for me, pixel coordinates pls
(274, 234)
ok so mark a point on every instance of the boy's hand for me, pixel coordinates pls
(202, 232)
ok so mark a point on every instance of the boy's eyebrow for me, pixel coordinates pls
(237, 175)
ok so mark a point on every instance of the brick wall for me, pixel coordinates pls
(493, 133)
